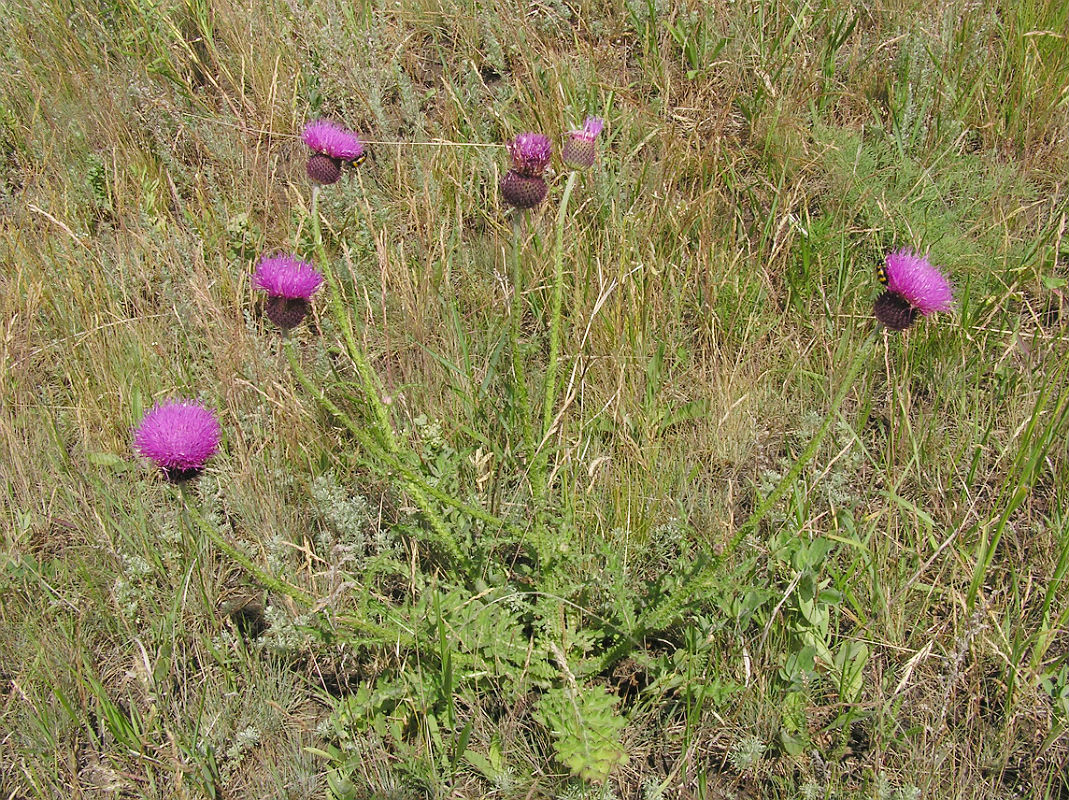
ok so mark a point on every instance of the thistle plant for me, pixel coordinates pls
(289, 285)
(178, 436)
(523, 187)
(331, 146)
(914, 288)
(338, 144)
(384, 442)
(579, 152)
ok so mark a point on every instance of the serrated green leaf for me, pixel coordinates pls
(585, 728)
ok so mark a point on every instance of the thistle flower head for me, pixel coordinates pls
(523, 191)
(289, 284)
(921, 284)
(331, 145)
(914, 287)
(530, 154)
(592, 126)
(523, 185)
(179, 436)
(331, 139)
(580, 147)
(285, 276)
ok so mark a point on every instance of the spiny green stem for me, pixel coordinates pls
(374, 632)
(264, 578)
(317, 234)
(367, 377)
(382, 419)
(518, 373)
(195, 544)
(270, 582)
(184, 496)
(656, 617)
(788, 480)
(416, 487)
(558, 302)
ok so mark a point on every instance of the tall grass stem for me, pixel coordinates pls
(788, 480)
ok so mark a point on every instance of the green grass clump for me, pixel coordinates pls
(626, 498)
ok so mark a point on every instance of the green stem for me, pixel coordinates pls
(518, 374)
(384, 426)
(317, 233)
(356, 354)
(273, 584)
(264, 578)
(195, 546)
(558, 302)
(788, 480)
(183, 491)
(663, 614)
(417, 488)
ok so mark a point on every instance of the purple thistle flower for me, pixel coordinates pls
(530, 153)
(580, 148)
(914, 287)
(331, 139)
(289, 284)
(285, 276)
(179, 436)
(331, 145)
(523, 185)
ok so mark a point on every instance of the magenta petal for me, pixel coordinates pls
(285, 276)
(530, 153)
(592, 126)
(331, 139)
(918, 282)
(179, 436)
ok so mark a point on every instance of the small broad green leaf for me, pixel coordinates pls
(341, 787)
(109, 461)
(792, 745)
(830, 597)
(483, 764)
(850, 662)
